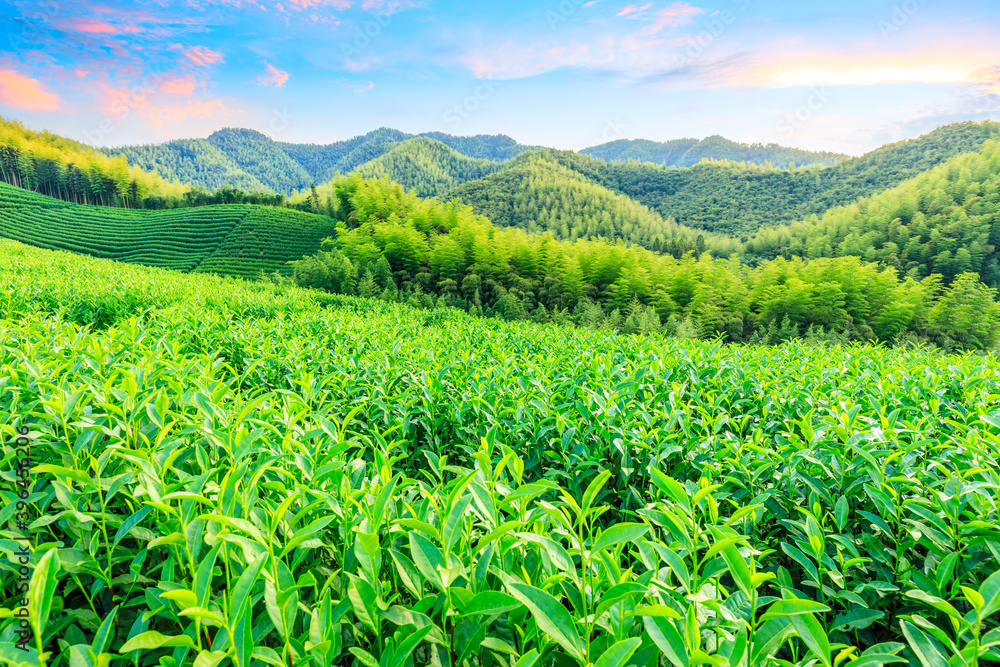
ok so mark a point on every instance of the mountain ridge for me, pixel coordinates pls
(690, 152)
(252, 160)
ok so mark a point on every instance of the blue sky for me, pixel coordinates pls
(844, 76)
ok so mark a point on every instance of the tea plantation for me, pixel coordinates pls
(237, 240)
(216, 472)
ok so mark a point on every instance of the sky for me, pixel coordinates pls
(844, 76)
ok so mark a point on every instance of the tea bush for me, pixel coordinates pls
(225, 473)
(237, 240)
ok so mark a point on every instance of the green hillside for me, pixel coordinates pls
(196, 162)
(739, 199)
(251, 161)
(430, 254)
(689, 152)
(235, 240)
(427, 166)
(496, 147)
(262, 158)
(538, 193)
(945, 221)
(322, 162)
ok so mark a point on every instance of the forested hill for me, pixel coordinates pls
(739, 198)
(689, 152)
(251, 161)
(427, 166)
(945, 221)
(538, 193)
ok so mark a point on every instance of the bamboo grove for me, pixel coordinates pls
(399, 247)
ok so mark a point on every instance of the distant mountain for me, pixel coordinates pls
(537, 193)
(251, 161)
(194, 161)
(427, 166)
(689, 152)
(323, 161)
(497, 147)
(740, 199)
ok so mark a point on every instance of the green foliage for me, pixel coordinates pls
(65, 169)
(427, 166)
(429, 249)
(232, 240)
(251, 161)
(689, 152)
(537, 193)
(741, 198)
(242, 472)
(944, 221)
(197, 162)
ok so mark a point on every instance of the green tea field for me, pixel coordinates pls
(237, 240)
(214, 472)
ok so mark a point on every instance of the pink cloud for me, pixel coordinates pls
(633, 9)
(119, 101)
(102, 28)
(203, 56)
(190, 110)
(272, 76)
(671, 16)
(177, 85)
(677, 14)
(18, 90)
(360, 89)
(310, 4)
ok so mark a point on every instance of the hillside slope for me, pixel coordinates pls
(427, 166)
(231, 240)
(251, 161)
(944, 221)
(739, 199)
(539, 193)
(689, 152)
(196, 162)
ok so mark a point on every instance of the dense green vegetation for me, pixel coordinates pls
(394, 245)
(194, 161)
(944, 221)
(427, 166)
(689, 152)
(233, 240)
(495, 147)
(65, 169)
(262, 158)
(537, 193)
(380, 489)
(740, 199)
(265, 240)
(251, 161)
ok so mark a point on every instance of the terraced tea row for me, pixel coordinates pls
(234, 240)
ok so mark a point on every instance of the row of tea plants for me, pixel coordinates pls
(226, 473)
